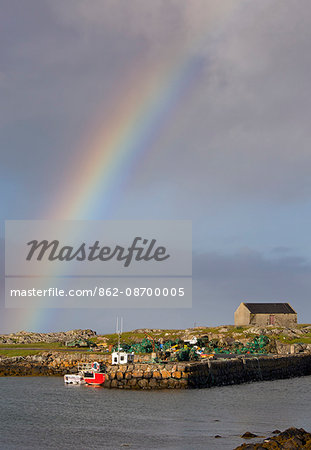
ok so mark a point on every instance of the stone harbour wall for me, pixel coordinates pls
(148, 376)
(165, 375)
(243, 370)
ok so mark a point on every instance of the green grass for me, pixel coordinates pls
(38, 345)
(126, 337)
(18, 352)
(129, 337)
(93, 339)
(301, 339)
(232, 331)
(302, 325)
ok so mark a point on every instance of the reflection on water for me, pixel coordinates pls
(42, 412)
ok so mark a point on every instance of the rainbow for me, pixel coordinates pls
(131, 131)
(150, 98)
(111, 157)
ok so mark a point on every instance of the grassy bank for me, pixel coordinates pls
(18, 352)
(300, 334)
(230, 331)
(43, 345)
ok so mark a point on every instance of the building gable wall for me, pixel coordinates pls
(241, 316)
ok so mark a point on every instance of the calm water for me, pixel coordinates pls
(42, 413)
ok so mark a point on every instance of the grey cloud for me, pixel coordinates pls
(156, 22)
(281, 250)
(220, 283)
(242, 132)
(245, 132)
(239, 137)
(223, 281)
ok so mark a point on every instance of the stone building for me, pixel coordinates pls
(263, 314)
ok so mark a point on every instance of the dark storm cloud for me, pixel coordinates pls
(238, 142)
(223, 281)
(220, 283)
(244, 131)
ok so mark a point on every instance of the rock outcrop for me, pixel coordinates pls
(26, 337)
(290, 439)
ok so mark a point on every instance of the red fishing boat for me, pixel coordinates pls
(94, 375)
(88, 373)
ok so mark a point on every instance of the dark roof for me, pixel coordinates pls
(270, 308)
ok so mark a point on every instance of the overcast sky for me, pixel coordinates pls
(233, 156)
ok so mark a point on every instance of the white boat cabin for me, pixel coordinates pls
(122, 358)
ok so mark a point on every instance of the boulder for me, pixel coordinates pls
(176, 374)
(143, 384)
(248, 435)
(165, 374)
(156, 375)
(137, 373)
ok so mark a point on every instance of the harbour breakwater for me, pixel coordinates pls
(143, 374)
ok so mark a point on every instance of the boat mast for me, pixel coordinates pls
(119, 332)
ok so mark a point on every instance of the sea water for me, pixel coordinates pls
(43, 413)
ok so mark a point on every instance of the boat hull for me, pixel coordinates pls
(74, 379)
(95, 379)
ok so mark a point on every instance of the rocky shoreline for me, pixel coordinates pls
(280, 359)
(290, 439)
(144, 374)
(61, 337)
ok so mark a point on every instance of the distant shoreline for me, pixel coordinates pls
(165, 375)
